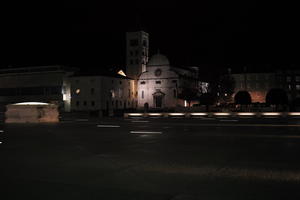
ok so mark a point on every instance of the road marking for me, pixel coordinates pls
(139, 121)
(108, 126)
(145, 132)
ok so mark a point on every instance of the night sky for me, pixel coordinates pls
(92, 34)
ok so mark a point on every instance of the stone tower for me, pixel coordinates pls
(137, 53)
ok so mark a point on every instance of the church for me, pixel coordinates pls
(159, 84)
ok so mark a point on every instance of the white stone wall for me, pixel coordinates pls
(109, 93)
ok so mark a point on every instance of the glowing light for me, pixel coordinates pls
(135, 114)
(294, 114)
(108, 126)
(0, 142)
(246, 114)
(31, 103)
(77, 91)
(221, 114)
(199, 114)
(271, 114)
(155, 114)
(185, 103)
(145, 132)
(121, 73)
(1, 131)
(176, 114)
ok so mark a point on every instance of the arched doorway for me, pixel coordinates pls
(158, 99)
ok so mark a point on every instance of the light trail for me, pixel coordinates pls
(145, 132)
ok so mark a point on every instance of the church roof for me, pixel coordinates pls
(159, 60)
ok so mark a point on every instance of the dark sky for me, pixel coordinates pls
(92, 33)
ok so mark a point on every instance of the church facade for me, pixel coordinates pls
(159, 85)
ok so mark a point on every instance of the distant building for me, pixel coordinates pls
(289, 80)
(160, 85)
(102, 93)
(42, 84)
(257, 84)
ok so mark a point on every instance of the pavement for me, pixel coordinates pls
(151, 158)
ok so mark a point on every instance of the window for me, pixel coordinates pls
(288, 79)
(93, 103)
(297, 78)
(143, 82)
(136, 52)
(145, 43)
(142, 94)
(134, 42)
(77, 103)
(289, 87)
(137, 61)
(175, 93)
(92, 91)
(158, 82)
(84, 103)
(297, 87)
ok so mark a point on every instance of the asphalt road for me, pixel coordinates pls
(167, 159)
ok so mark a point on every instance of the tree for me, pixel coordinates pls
(188, 94)
(207, 99)
(242, 98)
(277, 96)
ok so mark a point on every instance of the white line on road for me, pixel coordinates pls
(108, 126)
(145, 132)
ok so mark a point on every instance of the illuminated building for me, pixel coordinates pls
(42, 84)
(92, 92)
(160, 85)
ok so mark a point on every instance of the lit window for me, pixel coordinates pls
(77, 91)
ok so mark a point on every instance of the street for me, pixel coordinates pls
(151, 158)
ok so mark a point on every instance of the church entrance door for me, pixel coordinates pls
(158, 99)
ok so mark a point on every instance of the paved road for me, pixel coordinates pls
(152, 159)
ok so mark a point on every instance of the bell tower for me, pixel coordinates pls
(137, 53)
